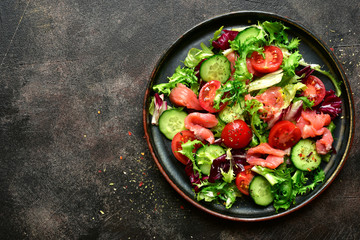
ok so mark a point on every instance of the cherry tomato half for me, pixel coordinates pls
(243, 179)
(236, 134)
(315, 90)
(284, 134)
(207, 95)
(271, 62)
(180, 138)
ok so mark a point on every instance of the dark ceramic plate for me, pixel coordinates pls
(313, 51)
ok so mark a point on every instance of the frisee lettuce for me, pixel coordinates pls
(288, 182)
(187, 150)
(258, 126)
(183, 75)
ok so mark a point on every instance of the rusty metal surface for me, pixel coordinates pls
(74, 161)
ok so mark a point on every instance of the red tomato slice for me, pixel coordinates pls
(315, 90)
(236, 134)
(284, 134)
(180, 138)
(243, 179)
(207, 95)
(272, 61)
(252, 70)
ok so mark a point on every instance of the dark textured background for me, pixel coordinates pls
(74, 161)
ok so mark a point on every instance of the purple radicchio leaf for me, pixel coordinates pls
(223, 41)
(330, 105)
(306, 72)
(239, 158)
(293, 112)
(159, 107)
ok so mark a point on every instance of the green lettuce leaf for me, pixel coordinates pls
(258, 126)
(183, 75)
(195, 55)
(289, 92)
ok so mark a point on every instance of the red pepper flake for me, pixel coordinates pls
(181, 206)
(99, 171)
(129, 133)
(140, 184)
(121, 157)
(331, 49)
(144, 173)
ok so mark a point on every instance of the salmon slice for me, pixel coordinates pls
(274, 158)
(317, 120)
(271, 161)
(199, 123)
(184, 97)
(272, 100)
(324, 145)
(232, 57)
(311, 123)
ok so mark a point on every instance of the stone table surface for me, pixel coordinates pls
(74, 160)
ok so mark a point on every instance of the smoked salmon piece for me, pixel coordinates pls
(273, 157)
(183, 96)
(312, 124)
(272, 100)
(232, 57)
(199, 123)
(324, 145)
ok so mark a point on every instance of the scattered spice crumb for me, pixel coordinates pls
(99, 112)
(181, 206)
(129, 133)
(121, 157)
(140, 184)
(142, 153)
(99, 171)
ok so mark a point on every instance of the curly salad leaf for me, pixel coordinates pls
(182, 75)
(258, 126)
(288, 182)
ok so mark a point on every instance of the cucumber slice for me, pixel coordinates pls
(216, 67)
(304, 155)
(260, 191)
(205, 155)
(247, 33)
(230, 114)
(171, 122)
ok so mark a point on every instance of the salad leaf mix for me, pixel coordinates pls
(269, 100)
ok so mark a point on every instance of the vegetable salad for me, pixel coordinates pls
(248, 117)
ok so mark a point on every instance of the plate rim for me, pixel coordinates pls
(344, 80)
